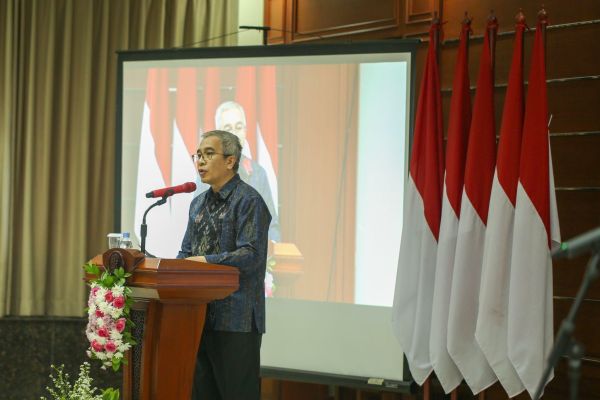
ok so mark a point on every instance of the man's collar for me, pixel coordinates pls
(226, 190)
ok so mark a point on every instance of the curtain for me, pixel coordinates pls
(57, 131)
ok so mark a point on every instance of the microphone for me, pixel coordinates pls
(578, 245)
(187, 187)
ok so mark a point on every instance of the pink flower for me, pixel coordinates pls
(103, 332)
(110, 347)
(95, 290)
(120, 325)
(99, 314)
(96, 346)
(119, 302)
(108, 296)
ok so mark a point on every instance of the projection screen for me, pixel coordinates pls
(325, 142)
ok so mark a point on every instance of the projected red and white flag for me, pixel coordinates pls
(456, 149)
(185, 142)
(492, 322)
(536, 228)
(245, 95)
(212, 97)
(413, 295)
(154, 164)
(479, 173)
(266, 128)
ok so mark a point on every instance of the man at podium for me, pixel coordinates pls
(228, 224)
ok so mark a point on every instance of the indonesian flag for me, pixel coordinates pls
(245, 95)
(185, 142)
(492, 322)
(212, 96)
(411, 314)
(479, 173)
(266, 132)
(530, 325)
(165, 158)
(154, 164)
(456, 149)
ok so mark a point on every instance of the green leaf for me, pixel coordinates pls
(110, 394)
(91, 269)
(108, 281)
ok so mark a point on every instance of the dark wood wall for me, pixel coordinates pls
(573, 72)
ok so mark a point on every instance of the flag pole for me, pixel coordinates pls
(492, 27)
(466, 22)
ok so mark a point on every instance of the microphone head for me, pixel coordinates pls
(189, 187)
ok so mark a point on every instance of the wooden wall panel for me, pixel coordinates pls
(578, 43)
(310, 20)
(559, 12)
(558, 389)
(578, 211)
(576, 160)
(275, 16)
(314, 17)
(568, 275)
(573, 105)
(587, 328)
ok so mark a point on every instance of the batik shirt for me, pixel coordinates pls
(230, 227)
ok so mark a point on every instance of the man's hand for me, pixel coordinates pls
(197, 258)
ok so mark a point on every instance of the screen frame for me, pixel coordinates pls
(303, 49)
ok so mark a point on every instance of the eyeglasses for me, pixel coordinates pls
(205, 156)
(234, 127)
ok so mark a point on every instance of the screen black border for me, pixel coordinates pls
(303, 49)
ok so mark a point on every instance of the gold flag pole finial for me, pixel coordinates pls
(543, 15)
(520, 17)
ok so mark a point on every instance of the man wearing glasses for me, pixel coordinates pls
(230, 117)
(228, 224)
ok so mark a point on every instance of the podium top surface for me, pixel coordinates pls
(176, 280)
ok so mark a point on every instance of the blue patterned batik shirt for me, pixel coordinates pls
(230, 227)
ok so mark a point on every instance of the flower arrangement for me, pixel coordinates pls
(269, 279)
(109, 326)
(82, 389)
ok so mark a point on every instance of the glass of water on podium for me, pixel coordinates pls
(113, 240)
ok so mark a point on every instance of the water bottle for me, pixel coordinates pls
(125, 242)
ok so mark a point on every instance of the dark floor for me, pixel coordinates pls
(29, 345)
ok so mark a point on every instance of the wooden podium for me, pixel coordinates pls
(170, 305)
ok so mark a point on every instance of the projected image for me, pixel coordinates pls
(324, 143)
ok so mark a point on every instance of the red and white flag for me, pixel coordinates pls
(411, 313)
(456, 149)
(185, 143)
(154, 163)
(245, 95)
(536, 229)
(479, 173)
(492, 322)
(266, 130)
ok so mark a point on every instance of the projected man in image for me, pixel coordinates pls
(228, 225)
(230, 117)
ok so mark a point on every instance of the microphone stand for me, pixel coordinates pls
(144, 227)
(565, 343)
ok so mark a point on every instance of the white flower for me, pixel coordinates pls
(115, 335)
(118, 290)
